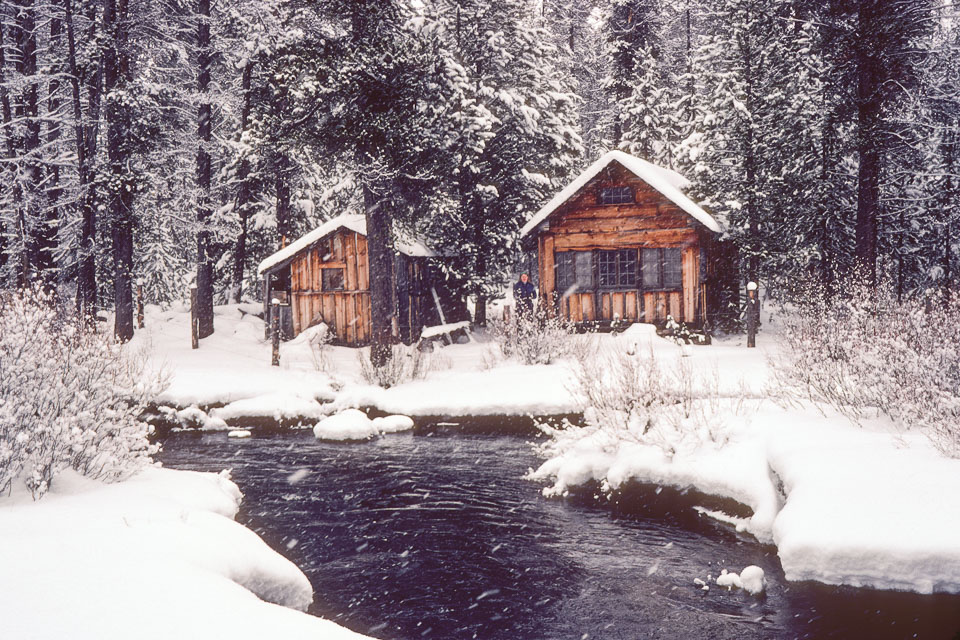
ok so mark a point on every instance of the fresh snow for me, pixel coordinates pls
(354, 222)
(843, 504)
(352, 424)
(157, 556)
(751, 580)
(668, 182)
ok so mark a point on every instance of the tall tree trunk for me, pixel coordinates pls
(116, 79)
(382, 278)
(282, 188)
(243, 190)
(27, 111)
(47, 236)
(9, 171)
(868, 141)
(86, 271)
(204, 211)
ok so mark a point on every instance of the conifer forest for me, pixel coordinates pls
(176, 143)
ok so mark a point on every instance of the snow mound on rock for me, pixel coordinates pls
(353, 424)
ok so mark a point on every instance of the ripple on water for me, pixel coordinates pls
(439, 536)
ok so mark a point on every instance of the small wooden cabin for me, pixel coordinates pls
(622, 243)
(324, 277)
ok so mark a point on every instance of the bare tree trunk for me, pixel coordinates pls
(380, 258)
(86, 272)
(204, 211)
(27, 110)
(50, 222)
(868, 143)
(243, 191)
(116, 76)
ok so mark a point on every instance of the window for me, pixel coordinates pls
(574, 268)
(662, 269)
(617, 269)
(332, 279)
(616, 195)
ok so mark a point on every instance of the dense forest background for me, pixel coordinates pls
(179, 142)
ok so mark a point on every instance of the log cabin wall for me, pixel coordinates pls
(645, 220)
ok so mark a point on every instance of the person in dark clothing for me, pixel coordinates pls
(523, 294)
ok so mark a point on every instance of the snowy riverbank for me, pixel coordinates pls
(861, 506)
(156, 556)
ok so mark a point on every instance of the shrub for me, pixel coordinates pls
(69, 397)
(406, 364)
(539, 338)
(872, 352)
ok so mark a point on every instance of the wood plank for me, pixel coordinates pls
(657, 238)
(363, 268)
(339, 311)
(588, 307)
(350, 260)
(621, 224)
(617, 305)
(690, 272)
(673, 304)
(606, 304)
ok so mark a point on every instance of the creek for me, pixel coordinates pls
(436, 534)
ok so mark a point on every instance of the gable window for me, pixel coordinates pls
(332, 279)
(574, 269)
(617, 269)
(662, 268)
(616, 195)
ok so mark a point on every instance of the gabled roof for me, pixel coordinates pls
(353, 222)
(669, 183)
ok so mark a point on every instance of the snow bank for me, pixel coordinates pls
(157, 556)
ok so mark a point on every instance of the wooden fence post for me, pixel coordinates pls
(139, 304)
(275, 331)
(753, 314)
(194, 321)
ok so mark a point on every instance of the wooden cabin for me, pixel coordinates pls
(622, 243)
(325, 277)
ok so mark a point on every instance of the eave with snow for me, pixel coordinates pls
(324, 276)
(623, 243)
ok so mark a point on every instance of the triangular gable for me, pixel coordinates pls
(667, 182)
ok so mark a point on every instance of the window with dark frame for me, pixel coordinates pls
(617, 269)
(616, 195)
(574, 268)
(331, 279)
(662, 268)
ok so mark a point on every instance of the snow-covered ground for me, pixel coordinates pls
(862, 506)
(844, 505)
(156, 556)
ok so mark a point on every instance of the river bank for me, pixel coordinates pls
(859, 505)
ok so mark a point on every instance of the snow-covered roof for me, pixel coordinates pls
(666, 181)
(353, 222)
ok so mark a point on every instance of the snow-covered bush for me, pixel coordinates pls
(869, 352)
(631, 399)
(406, 364)
(539, 338)
(69, 397)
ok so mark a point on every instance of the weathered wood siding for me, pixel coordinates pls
(347, 310)
(651, 221)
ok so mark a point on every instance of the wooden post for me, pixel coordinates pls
(139, 304)
(194, 321)
(753, 314)
(275, 331)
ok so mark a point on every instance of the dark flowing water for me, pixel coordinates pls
(437, 535)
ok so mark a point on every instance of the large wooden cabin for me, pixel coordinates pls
(622, 243)
(324, 276)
